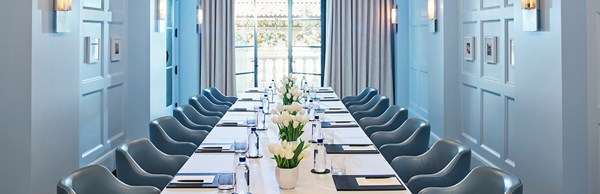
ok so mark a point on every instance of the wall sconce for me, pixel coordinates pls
(432, 15)
(531, 15)
(395, 17)
(62, 9)
(162, 9)
(199, 18)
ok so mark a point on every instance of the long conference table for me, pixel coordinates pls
(262, 170)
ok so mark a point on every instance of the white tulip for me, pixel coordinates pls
(286, 123)
(295, 124)
(288, 95)
(302, 112)
(289, 155)
(305, 120)
(284, 144)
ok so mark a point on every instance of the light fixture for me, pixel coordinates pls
(162, 9)
(531, 15)
(432, 15)
(199, 18)
(62, 10)
(395, 17)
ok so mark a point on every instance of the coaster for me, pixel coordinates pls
(327, 171)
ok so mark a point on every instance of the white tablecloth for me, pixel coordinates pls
(262, 171)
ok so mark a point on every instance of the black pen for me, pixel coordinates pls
(191, 181)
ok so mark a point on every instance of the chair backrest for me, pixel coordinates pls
(212, 98)
(483, 179)
(371, 92)
(400, 134)
(438, 157)
(397, 119)
(193, 101)
(168, 145)
(145, 155)
(381, 119)
(370, 104)
(177, 131)
(379, 108)
(97, 179)
(196, 117)
(208, 105)
(219, 95)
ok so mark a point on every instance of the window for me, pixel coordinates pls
(274, 38)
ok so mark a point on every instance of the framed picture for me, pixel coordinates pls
(116, 49)
(491, 51)
(511, 52)
(92, 49)
(469, 48)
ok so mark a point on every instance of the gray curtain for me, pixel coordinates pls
(359, 46)
(217, 65)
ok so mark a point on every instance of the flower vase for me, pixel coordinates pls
(287, 178)
(292, 143)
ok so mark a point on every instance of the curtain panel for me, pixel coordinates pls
(359, 46)
(217, 66)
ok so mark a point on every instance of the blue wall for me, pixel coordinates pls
(530, 119)
(189, 51)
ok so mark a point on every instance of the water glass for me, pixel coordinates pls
(321, 113)
(250, 121)
(328, 135)
(226, 181)
(338, 165)
(240, 146)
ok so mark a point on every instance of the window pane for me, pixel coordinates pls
(307, 33)
(307, 60)
(272, 64)
(244, 82)
(313, 80)
(244, 59)
(306, 9)
(244, 31)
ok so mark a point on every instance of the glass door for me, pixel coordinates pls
(275, 38)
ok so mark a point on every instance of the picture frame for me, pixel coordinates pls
(511, 52)
(469, 48)
(92, 50)
(491, 49)
(116, 49)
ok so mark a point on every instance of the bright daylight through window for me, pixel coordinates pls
(274, 38)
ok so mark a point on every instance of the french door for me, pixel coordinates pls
(275, 38)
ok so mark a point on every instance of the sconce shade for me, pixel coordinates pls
(199, 15)
(529, 4)
(63, 5)
(431, 10)
(395, 15)
(162, 9)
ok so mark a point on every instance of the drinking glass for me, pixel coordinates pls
(338, 165)
(226, 182)
(321, 113)
(250, 121)
(328, 135)
(240, 146)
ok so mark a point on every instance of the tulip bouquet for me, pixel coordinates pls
(288, 91)
(290, 120)
(288, 155)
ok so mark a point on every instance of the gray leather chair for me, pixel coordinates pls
(482, 179)
(191, 118)
(166, 144)
(383, 118)
(411, 139)
(193, 101)
(376, 110)
(97, 179)
(208, 105)
(140, 163)
(397, 119)
(366, 106)
(219, 95)
(444, 165)
(209, 95)
(360, 96)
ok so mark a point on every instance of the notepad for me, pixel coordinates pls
(358, 148)
(343, 124)
(385, 181)
(193, 179)
(239, 109)
(232, 123)
(216, 147)
(249, 99)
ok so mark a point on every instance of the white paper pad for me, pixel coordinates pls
(358, 148)
(345, 124)
(232, 122)
(206, 179)
(216, 146)
(392, 181)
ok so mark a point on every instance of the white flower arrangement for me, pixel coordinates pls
(290, 120)
(289, 155)
(288, 91)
